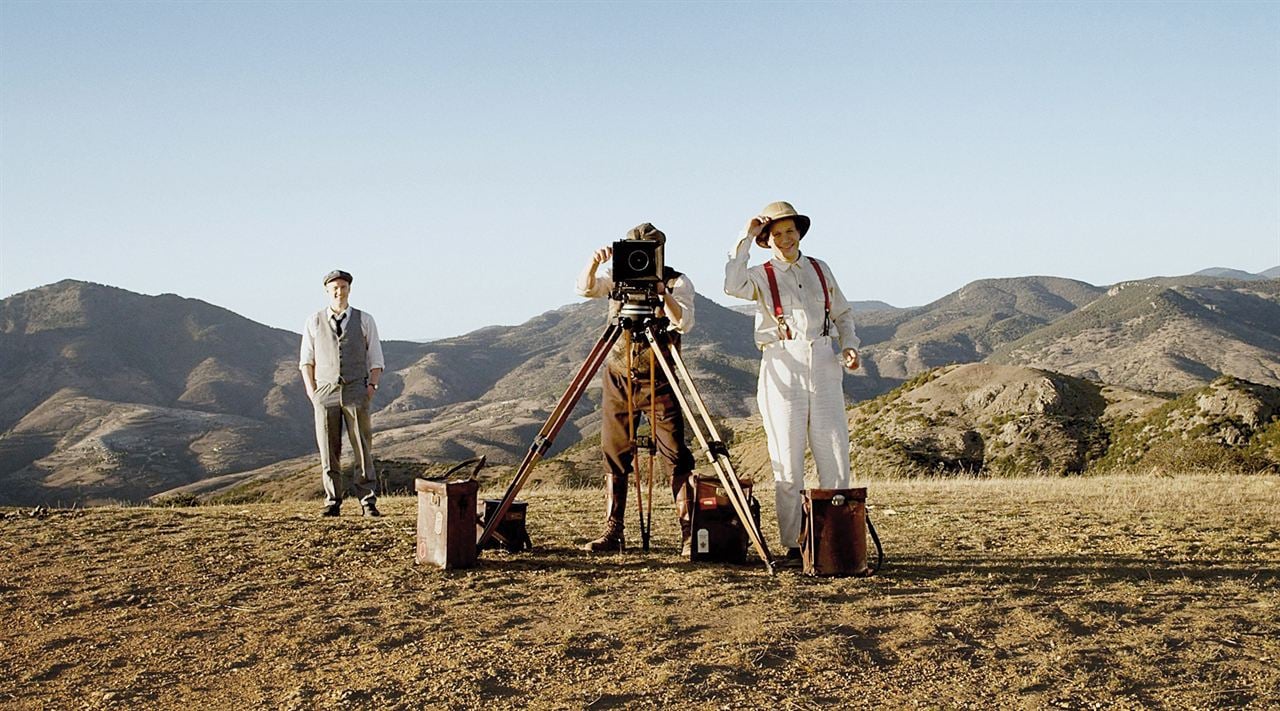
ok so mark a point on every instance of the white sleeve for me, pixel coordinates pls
(842, 314)
(373, 346)
(683, 292)
(307, 353)
(599, 289)
(737, 282)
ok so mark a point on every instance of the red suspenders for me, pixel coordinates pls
(784, 331)
(826, 299)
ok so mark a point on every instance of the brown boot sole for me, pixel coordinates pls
(604, 546)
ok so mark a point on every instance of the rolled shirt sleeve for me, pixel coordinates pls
(598, 288)
(373, 346)
(842, 314)
(682, 292)
(307, 353)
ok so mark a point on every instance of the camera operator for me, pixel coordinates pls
(676, 292)
(800, 393)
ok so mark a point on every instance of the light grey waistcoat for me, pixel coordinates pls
(342, 360)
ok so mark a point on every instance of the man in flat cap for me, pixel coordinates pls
(800, 311)
(668, 425)
(341, 363)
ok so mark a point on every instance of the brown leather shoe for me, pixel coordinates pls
(605, 544)
(611, 541)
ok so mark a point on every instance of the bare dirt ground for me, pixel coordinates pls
(1125, 592)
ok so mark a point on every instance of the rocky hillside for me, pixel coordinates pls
(995, 420)
(1165, 335)
(490, 391)
(1230, 422)
(981, 418)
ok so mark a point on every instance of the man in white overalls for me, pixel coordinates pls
(800, 311)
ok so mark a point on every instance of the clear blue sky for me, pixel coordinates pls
(462, 160)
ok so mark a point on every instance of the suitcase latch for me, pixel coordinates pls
(837, 500)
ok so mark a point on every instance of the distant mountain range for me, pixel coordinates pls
(1224, 273)
(1163, 335)
(116, 395)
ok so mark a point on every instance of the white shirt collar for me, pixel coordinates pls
(785, 265)
(340, 316)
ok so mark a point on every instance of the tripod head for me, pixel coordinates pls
(639, 309)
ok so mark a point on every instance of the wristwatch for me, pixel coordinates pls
(375, 385)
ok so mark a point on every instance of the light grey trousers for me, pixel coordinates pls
(335, 413)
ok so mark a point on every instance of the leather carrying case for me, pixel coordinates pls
(716, 531)
(511, 528)
(833, 537)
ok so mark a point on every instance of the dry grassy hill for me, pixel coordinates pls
(1079, 593)
(1165, 335)
(112, 394)
(964, 326)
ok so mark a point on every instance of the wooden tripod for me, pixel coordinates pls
(639, 322)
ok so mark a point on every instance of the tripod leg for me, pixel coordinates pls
(653, 447)
(713, 447)
(631, 436)
(552, 426)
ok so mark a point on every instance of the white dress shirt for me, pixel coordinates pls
(373, 346)
(800, 292)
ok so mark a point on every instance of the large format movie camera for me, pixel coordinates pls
(637, 271)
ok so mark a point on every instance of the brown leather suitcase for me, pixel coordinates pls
(511, 527)
(716, 531)
(833, 537)
(446, 523)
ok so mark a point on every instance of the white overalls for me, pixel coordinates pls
(799, 391)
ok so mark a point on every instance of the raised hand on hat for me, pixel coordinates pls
(757, 225)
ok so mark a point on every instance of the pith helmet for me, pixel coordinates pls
(647, 231)
(780, 211)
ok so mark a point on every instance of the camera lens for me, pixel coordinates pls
(638, 261)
